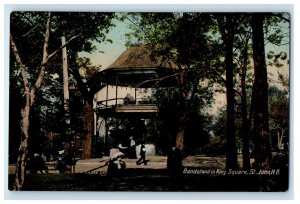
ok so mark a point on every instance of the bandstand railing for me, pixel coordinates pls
(118, 102)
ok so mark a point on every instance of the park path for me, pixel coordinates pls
(155, 162)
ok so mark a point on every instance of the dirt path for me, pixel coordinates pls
(155, 162)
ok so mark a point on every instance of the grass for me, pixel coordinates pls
(151, 180)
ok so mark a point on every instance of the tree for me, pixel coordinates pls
(88, 90)
(279, 114)
(260, 90)
(75, 26)
(227, 26)
(181, 38)
(197, 128)
(275, 35)
(92, 27)
(277, 25)
(244, 103)
(243, 86)
(30, 97)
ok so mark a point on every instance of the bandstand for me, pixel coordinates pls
(130, 82)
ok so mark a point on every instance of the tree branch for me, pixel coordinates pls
(215, 73)
(158, 80)
(194, 91)
(133, 23)
(81, 85)
(47, 36)
(220, 21)
(41, 76)
(21, 66)
(61, 47)
(46, 58)
(282, 18)
(24, 35)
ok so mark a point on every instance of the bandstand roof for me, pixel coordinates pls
(141, 56)
(136, 65)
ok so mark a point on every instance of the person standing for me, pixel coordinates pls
(142, 154)
(132, 151)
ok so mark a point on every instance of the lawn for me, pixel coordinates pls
(151, 180)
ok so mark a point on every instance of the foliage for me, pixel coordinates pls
(86, 69)
(27, 29)
(279, 115)
(198, 125)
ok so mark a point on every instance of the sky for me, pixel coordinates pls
(111, 50)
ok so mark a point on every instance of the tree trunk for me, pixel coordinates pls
(23, 149)
(88, 122)
(261, 114)
(231, 154)
(183, 111)
(181, 131)
(245, 125)
(262, 151)
(87, 93)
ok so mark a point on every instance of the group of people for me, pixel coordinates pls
(36, 164)
(174, 156)
(130, 152)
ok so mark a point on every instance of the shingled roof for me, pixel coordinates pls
(141, 56)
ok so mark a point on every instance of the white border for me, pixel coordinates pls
(213, 6)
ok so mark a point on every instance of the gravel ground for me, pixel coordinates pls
(155, 162)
